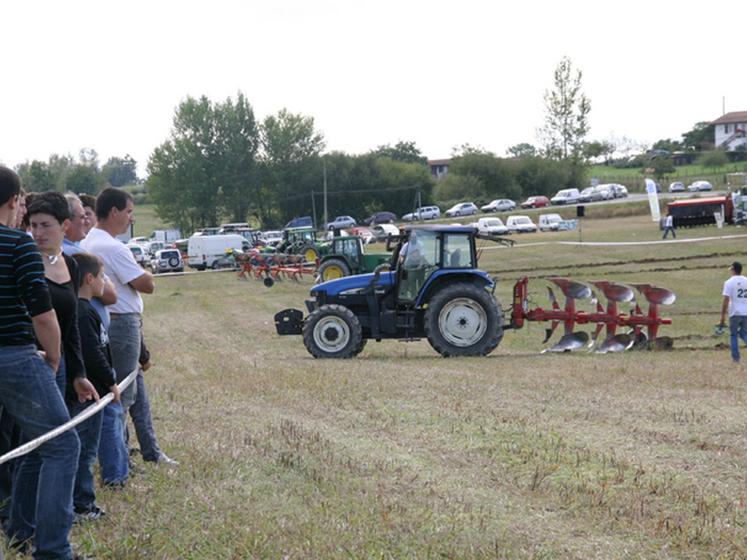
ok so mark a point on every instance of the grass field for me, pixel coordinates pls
(402, 454)
(690, 172)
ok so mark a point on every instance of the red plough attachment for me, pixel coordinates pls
(273, 266)
(607, 318)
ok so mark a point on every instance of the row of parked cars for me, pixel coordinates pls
(695, 186)
(523, 224)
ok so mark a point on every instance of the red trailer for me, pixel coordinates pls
(700, 211)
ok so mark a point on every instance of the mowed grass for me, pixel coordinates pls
(402, 454)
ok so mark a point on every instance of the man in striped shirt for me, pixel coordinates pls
(28, 391)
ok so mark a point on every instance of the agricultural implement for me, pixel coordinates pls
(436, 292)
(270, 267)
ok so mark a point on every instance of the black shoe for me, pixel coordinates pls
(91, 514)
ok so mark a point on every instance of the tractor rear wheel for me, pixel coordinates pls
(332, 331)
(463, 320)
(309, 253)
(332, 269)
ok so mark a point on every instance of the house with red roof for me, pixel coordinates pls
(730, 131)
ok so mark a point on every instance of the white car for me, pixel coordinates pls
(607, 191)
(499, 205)
(423, 213)
(140, 253)
(698, 186)
(619, 191)
(677, 187)
(491, 225)
(520, 224)
(272, 237)
(550, 222)
(462, 209)
(566, 196)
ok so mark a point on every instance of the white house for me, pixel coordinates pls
(730, 131)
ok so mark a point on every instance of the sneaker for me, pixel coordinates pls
(166, 460)
(91, 514)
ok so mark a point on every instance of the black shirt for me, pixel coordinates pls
(65, 303)
(95, 344)
(23, 291)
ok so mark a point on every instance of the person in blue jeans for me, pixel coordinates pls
(98, 362)
(28, 392)
(735, 303)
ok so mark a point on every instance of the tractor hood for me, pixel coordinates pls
(351, 283)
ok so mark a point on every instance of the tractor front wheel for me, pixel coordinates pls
(309, 253)
(463, 320)
(332, 269)
(332, 331)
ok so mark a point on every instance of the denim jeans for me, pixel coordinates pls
(113, 457)
(124, 342)
(89, 431)
(30, 395)
(143, 422)
(737, 330)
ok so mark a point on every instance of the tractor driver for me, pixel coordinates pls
(412, 254)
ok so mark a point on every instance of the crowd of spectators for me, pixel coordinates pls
(70, 332)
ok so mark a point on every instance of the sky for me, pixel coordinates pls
(109, 75)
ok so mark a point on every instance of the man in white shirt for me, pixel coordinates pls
(669, 226)
(735, 302)
(114, 209)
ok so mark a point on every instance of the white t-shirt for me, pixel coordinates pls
(736, 288)
(120, 267)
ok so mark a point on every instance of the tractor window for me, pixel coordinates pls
(350, 250)
(457, 251)
(419, 258)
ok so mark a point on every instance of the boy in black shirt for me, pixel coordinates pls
(98, 361)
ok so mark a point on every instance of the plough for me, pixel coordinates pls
(271, 267)
(607, 318)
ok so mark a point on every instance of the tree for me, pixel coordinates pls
(597, 149)
(668, 145)
(291, 165)
(700, 137)
(522, 150)
(83, 179)
(494, 174)
(207, 168)
(36, 176)
(713, 159)
(120, 171)
(405, 152)
(566, 114)
(659, 167)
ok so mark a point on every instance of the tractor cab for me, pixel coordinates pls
(344, 255)
(300, 241)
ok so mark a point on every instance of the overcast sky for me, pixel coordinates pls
(108, 75)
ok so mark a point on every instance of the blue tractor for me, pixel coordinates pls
(433, 290)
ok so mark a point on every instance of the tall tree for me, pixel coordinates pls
(406, 152)
(566, 114)
(120, 171)
(700, 137)
(522, 150)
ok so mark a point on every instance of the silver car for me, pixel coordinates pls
(167, 260)
(462, 209)
(499, 205)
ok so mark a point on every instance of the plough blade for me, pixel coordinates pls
(656, 295)
(571, 288)
(616, 343)
(570, 342)
(615, 292)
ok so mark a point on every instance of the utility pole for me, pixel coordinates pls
(324, 168)
(313, 209)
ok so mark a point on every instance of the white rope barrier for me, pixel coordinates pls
(87, 413)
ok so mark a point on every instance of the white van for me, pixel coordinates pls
(549, 222)
(208, 251)
(520, 224)
(566, 196)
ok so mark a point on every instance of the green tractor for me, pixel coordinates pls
(300, 241)
(344, 256)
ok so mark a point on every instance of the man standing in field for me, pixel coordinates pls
(114, 208)
(669, 226)
(735, 302)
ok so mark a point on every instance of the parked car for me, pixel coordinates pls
(423, 213)
(365, 233)
(607, 191)
(677, 187)
(520, 224)
(589, 194)
(302, 221)
(141, 254)
(566, 196)
(536, 202)
(381, 231)
(499, 205)
(620, 191)
(491, 225)
(272, 237)
(698, 186)
(550, 222)
(138, 241)
(341, 222)
(462, 209)
(379, 218)
(167, 260)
